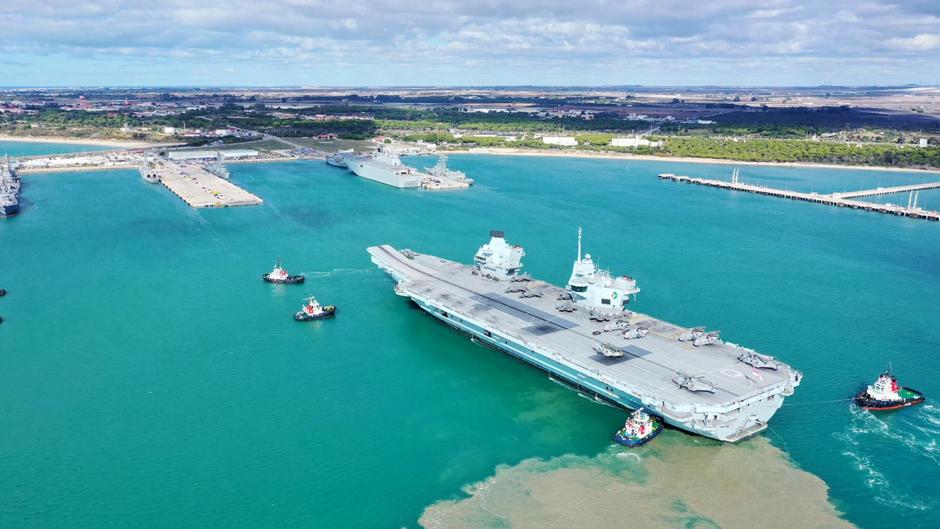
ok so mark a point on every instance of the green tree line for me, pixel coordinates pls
(776, 150)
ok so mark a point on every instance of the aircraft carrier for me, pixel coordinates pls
(584, 335)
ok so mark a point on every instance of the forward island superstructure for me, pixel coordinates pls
(585, 336)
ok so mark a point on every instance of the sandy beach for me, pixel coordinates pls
(126, 144)
(715, 161)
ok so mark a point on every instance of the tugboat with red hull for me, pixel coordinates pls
(886, 394)
(280, 275)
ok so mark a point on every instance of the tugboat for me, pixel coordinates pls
(280, 275)
(312, 310)
(639, 429)
(886, 394)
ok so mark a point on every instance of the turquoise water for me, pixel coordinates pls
(16, 148)
(148, 377)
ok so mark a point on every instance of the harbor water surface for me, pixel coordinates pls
(149, 378)
(18, 148)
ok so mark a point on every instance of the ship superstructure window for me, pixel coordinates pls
(579, 288)
(605, 301)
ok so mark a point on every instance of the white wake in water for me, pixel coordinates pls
(868, 431)
(338, 271)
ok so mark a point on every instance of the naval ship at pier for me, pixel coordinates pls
(584, 336)
(386, 168)
(9, 188)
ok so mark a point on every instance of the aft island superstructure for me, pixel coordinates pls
(585, 336)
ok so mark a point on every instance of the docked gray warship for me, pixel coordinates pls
(9, 188)
(584, 336)
(386, 168)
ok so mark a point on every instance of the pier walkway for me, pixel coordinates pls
(838, 200)
(887, 190)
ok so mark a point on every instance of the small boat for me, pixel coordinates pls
(280, 275)
(312, 310)
(885, 394)
(640, 428)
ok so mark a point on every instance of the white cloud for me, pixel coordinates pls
(505, 39)
(922, 42)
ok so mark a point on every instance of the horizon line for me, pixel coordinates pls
(460, 86)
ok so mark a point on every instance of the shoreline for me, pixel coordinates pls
(98, 142)
(679, 159)
(84, 168)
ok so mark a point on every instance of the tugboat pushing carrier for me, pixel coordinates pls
(639, 429)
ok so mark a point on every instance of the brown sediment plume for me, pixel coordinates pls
(677, 483)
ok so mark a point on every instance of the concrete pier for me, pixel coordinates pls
(201, 189)
(834, 199)
(887, 190)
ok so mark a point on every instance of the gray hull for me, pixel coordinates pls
(395, 176)
(8, 210)
(562, 344)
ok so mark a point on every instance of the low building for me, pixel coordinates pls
(565, 141)
(635, 141)
(239, 153)
(204, 154)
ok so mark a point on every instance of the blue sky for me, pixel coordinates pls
(484, 42)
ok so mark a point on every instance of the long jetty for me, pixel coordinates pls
(834, 199)
(887, 190)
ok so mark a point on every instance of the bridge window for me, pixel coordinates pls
(576, 288)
